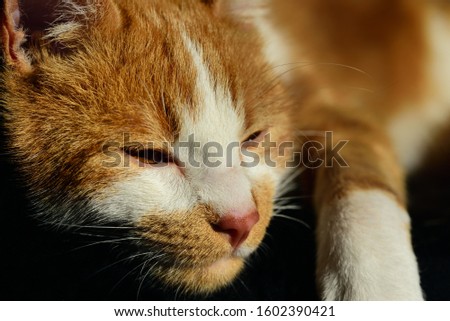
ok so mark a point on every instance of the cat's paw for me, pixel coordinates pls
(359, 284)
(365, 250)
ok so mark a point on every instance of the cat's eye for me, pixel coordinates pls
(149, 156)
(253, 137)
(256, 137)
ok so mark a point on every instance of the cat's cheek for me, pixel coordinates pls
(263, 194)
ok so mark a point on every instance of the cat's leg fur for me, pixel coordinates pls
(364, 249)
(363, 231)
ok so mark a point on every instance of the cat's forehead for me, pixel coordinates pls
(164, 64)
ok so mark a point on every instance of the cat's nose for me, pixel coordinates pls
(237, 227)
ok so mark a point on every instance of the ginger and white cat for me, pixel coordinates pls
(153, 84)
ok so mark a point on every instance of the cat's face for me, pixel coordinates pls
(134, 113)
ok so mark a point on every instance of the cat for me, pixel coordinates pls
(111, 108)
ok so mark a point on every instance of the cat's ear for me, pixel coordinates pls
(55, 23)
(22, 21)
(12, 35)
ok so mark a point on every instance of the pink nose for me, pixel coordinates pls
(237, 227)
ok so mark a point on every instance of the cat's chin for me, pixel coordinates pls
(205, 280)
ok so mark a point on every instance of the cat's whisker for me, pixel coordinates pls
(126, 275)
(362, 89)
(286, 217)
(155, 257)
(268, 91)
(280, 204)
(143, 279)
(105, 227)
(109, 227)
(292, 197)
(129, 258)
(248, 263)
(285, 185)
(263, 250)
(278, 77)
(233, 286)
(280, 200)
(268, 235)
(143, 267)
(277, 205)
(244, 285)
(89, 234)
(331, 64)
(113, 241)
(178, 291)
(287, 207)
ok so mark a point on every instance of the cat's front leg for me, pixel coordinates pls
(364, 249)
(363, 231)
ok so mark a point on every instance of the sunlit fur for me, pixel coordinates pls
(158, 71)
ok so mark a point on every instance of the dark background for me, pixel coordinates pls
(40, 263)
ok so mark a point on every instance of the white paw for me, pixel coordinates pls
(364, 250)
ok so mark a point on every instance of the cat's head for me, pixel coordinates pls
(139, 114)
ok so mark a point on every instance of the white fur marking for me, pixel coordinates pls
(156, 191)
(365, 251)
(225, 187)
